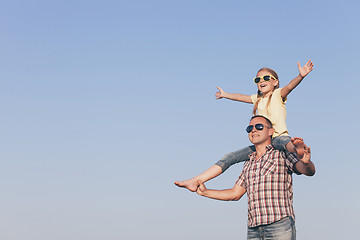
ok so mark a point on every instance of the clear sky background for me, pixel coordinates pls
(105, 103)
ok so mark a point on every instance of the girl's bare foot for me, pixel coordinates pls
(191, 184)
(299, 146)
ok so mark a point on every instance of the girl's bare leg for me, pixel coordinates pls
(296, 145)
(193, 183)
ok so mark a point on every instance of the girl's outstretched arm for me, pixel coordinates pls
(303, 72)
(233, 96)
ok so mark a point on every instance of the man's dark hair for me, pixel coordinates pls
(267, 120)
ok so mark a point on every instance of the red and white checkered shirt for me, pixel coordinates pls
(268, 183)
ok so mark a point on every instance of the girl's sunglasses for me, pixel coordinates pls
(258, 127)
(266, 78)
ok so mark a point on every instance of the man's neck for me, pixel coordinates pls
(261, 149)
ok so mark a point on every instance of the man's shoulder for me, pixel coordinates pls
(285, 158)
(279, 153)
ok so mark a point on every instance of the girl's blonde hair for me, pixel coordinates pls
(260, 95)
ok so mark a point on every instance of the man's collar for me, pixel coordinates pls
(268, 149)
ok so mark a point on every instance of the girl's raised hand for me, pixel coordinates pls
(305, 70)
(220, 93)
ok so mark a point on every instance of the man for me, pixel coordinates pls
(267, 180)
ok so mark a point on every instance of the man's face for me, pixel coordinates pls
(260, 136)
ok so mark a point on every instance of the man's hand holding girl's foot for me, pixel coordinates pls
(299, 146)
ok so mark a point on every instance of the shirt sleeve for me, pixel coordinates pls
(241, 180)
(277, 94)
(254, 98)
(290, 160)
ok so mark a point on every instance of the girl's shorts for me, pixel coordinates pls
(280, 142)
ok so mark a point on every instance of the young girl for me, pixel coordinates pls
(269, 102)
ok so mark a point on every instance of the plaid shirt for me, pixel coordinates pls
(268, 183)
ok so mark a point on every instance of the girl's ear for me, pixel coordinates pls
(276, 83)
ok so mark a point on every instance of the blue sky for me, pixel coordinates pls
(105, 103)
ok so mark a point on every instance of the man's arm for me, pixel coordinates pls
(305, 165)
(233, 194)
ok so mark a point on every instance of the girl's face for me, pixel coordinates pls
(266, 87)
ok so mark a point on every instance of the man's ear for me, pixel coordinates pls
(271, 131)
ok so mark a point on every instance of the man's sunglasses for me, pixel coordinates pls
(258, 126)
(266, 78)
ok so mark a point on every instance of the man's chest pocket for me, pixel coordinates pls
(268, 168)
